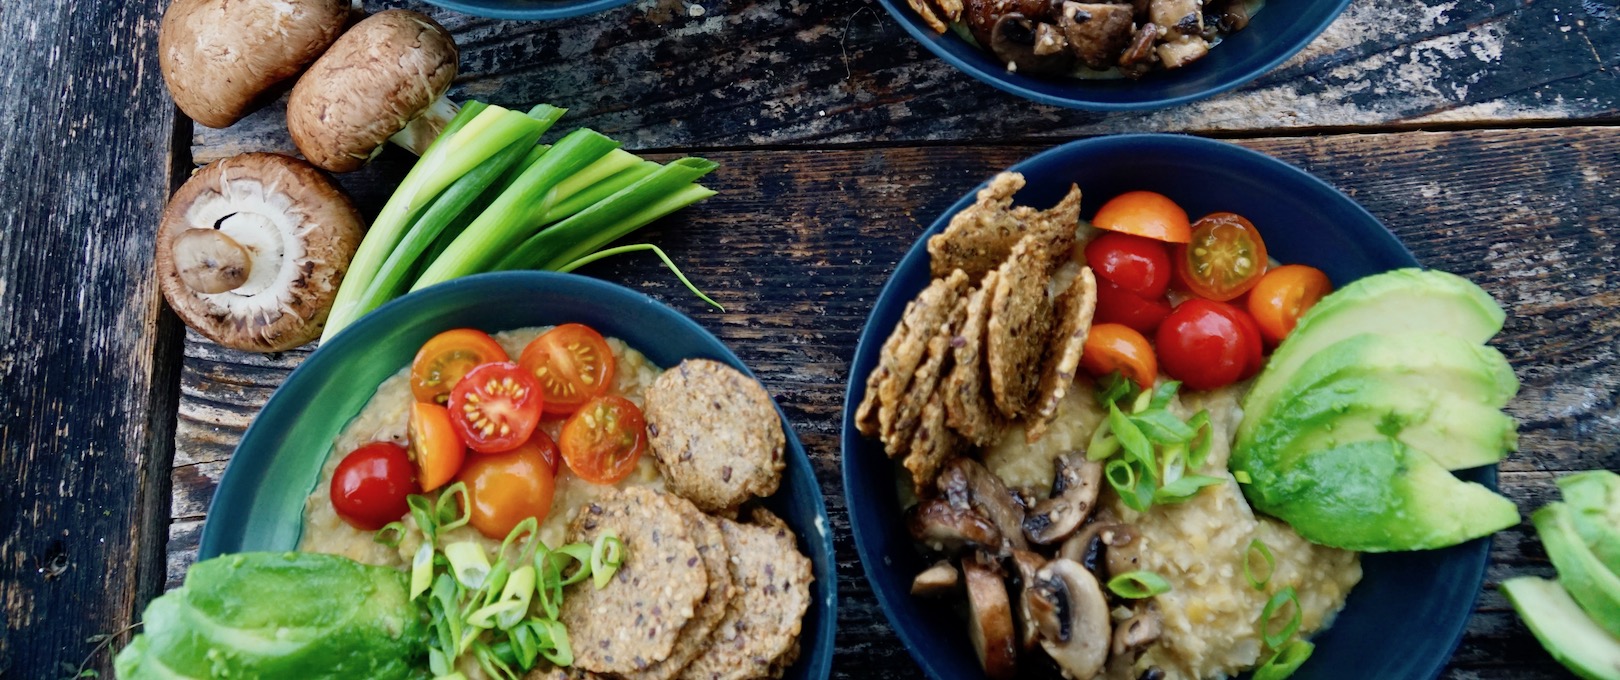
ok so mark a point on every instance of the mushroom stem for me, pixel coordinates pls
(418, 134)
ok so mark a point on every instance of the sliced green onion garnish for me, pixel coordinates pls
(1241, 477)
(422, 570)
(422, 511)
(1114, 388)
(554, 645)
(1162, 427)
(579, 556)
(453, 509)
(1184, 488)
(488, 617)
(519, 588)
(1203, 440)
(1274, 606)
(1121, 476)
(530, 528)
(391, 534)
(610, 252)
(1142, 402)
(1163, 393)
(1175, 464)
(1103, 444)
(1287, 660)
(1258, 548)
(1131, 439)
(607, 553)
(468, 563)
(1137, 585)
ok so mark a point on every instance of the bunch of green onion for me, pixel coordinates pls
(1150, 452)
(487, 196)
(487, 612)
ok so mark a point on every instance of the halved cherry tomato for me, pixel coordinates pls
(370, 485)
(444, 359)
(1139, 265)
(1224, 259)
(435, 446)
(603, 440)
(1113, 347)
(1207, 344)
(1283, 295)
(504, 489)
(573, 365)
(496, 407)
(1117, 305)
(1146, 214)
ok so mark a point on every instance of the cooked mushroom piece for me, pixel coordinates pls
(384, 80)
(1074, 493)
(1182, 51)
(1234, 16)
(1014, 41)
(1138, 58)
(1025, 565)
(1068, 606)
(981, 15)
(1120, 538)
(1136, 634)
(1177, 17)
(938, 525)
(990, 623)
(1152, 673)
(1086, 547)
(1097, 32)
(252, 248)
(940, 579)
(968, 485)
(223, 58)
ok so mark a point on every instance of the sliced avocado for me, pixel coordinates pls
(1592, 585)
(1396, 302)
(1457, 432)
(1433, 361)
(1379, 496)
(1594, 499)
(1566, 631)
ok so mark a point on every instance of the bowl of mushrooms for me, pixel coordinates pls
(1114, 55)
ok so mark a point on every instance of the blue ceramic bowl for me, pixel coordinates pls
(1407, 615)
(528, 10)
(1275, 33)
(260, 500)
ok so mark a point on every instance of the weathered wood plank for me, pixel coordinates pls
(810, 236)
(772, 72)
(88, 356)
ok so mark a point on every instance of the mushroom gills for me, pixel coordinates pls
(1075, 487)
(1068, 606)
(967, 485)
(1025, 565)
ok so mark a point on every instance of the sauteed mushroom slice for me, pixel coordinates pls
(1015, 40)
(938, 525)
(1119, 538)
(1025, 565)
(968, 485)
(938, 580)
(1075, 486)
(1136, 634)
(1068, 606)
(1091, 547)
(1097, 32)
(990, 624)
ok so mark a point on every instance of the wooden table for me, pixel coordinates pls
(1478, 130)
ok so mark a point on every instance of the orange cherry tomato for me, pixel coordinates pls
(442, 361)
(1283, 295)
(504, 489)
(573, 365)
(603, 440)
(496, 407)
(1116, 347)
(1144, 213)
(542, 445)
(1224, 259)
(435, 447)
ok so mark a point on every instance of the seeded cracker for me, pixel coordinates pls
(762, 626)
(968, 409)
(1020, 321)
(1074, 309)
(932, 447)
(921, 323)
(928, 16)
(711, 544)
(716, 434)
(635, 620)
(925, 383)
(979, 238)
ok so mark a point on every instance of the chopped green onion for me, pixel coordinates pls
(1175, 464)
(1114, 388)
(454, 508)
(391, 534)
(468, 563)
(422, 570)
(1130, 438)
(1163, 393)
(1241, 477)
(610, 252)
(1137, 585)
(530, 528)
(579, 554)
(606, 556)
(1162, 427)
(520, 588)
(1203, 439)
(422, 511)
(1287, 660)
(1122, 476)
(1184, 488)
(489, 617)
(1142, 402)
(554, 644)
(1103, 444)
(1258, 547)
(1278, 600)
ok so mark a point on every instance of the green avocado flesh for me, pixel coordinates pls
(1566, 631)
(279, 615)
(1594, 503)
(1594, 587)
(1377, 496)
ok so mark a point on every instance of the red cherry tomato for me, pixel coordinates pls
(1139, 265)
(1112, 347)
(496, 407)
(603, 440)
(442, 361)
(370, 485)
(573, 365)
(1117, 305)
(1224, 258)
(504, 489)
(1283, 295)
(1207, 344)
(1146, 214)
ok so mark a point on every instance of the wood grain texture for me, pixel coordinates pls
(798, 244)
(88, 357)
(769, 72)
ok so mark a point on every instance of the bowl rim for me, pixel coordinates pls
(817, 663)
(567, 10)
(872, 336)
(1077, 99)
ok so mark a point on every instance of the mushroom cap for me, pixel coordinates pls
(299, 230)
(220, 56)
(370, 84)
(1068, 605)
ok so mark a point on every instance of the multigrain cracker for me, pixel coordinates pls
(932, 446)
(925, 382)
(711, 544)
(716, 434)
(1075, 307)
(921, 322)
(968, 409)
(979, 238)
(1020, 321)
(634, 621)
(762, 626)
